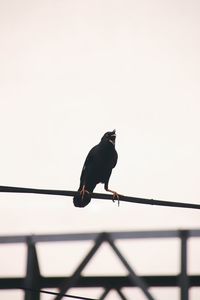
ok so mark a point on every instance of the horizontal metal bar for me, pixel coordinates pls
(48, 238)
(65, 237)
(103, 281)
(153, 234)
(144, 234)
(91, 236)
(194, 233)
(11, 239)
(11, 283)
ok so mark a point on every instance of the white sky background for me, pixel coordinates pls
(72, 70)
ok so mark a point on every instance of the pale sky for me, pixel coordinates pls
(70, 70)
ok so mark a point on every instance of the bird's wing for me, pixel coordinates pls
(88, 162)
(115, 158)
(113, 163)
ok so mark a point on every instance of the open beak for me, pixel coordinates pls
(113, 133)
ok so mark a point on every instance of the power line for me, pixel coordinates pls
(56, 294)
(11, 189)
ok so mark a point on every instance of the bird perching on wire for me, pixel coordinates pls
(97, 168)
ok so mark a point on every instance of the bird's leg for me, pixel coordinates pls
(115, 194)
(83, 191)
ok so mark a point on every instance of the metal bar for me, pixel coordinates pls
(12, 239)
(39, 238)
(194, 233)
(73, 237)
(32, 280)
(69, 283)
(133, 276)
(184, 282)
(121, 295)
(144, 234)
(11, 283)
(117, 282)
(104, 294)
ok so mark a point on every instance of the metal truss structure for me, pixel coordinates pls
(35, 281)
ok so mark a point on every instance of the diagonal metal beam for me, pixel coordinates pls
(133, 276)
(105, 293)
(121, 294)
(68, 283)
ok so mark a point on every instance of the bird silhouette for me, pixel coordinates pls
(97, 168)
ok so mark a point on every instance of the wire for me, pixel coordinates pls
(11, 189)
(56, 294)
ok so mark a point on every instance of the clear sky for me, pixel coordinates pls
(72, 70)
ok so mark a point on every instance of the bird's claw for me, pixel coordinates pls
(83, 191)
(116, 195)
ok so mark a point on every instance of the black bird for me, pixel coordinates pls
(97, 168)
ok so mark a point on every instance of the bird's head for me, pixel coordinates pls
(109, 136)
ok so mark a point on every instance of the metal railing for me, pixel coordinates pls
(34, 281)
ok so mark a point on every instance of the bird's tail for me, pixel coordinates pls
(80, 201)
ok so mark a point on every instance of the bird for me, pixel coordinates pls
(97, 168)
